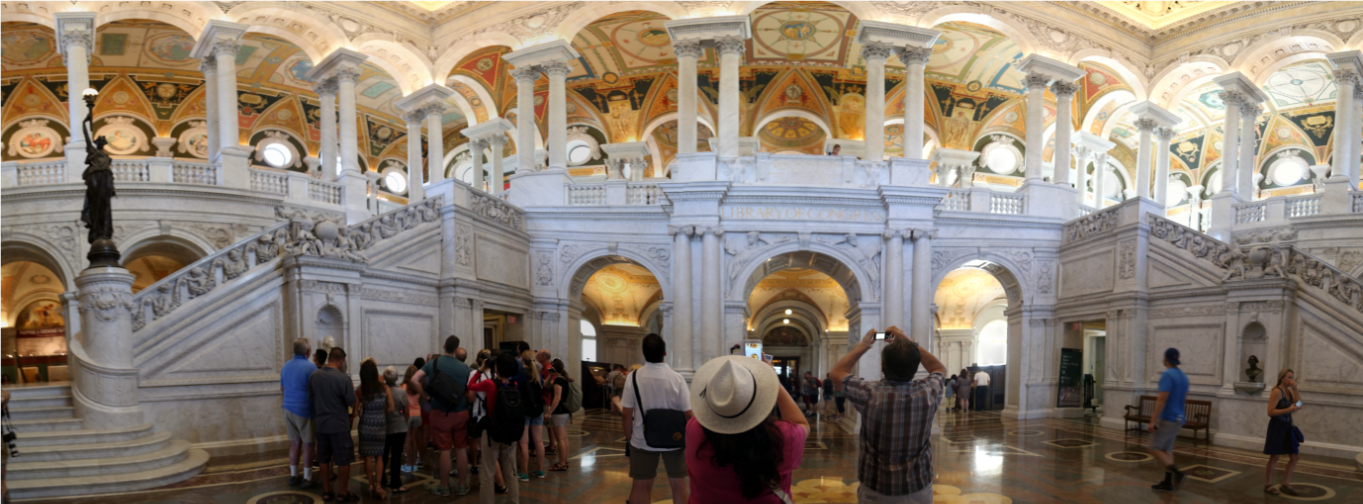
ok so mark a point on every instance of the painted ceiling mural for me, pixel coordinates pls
(621, 293)
(821, 292)
(961, 296)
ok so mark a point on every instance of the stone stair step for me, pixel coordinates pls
(145, 444)
(40, 401)
(41, 389)
(192, 465)
(45, 425)
(36, 440)
(48, 412)
(173, 453)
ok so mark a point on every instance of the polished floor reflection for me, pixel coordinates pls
(979, 460)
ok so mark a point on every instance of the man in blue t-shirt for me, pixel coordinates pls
(449, 422)
(1167, 419)
(293, 381)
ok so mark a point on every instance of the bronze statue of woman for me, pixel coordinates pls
(99, 190)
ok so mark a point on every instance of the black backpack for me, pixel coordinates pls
(445, 388)
(533, 393)
(507, 422)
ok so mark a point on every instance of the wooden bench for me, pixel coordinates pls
(1198, 416)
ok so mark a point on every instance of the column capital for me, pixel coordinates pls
(525, 73)
(1231, 98)
(1164, 134)
(556, 68)
(478, 144)
(208, 64)
(1036, 81)
(77, 38)
(879, 51)
(226, 48)
(413, 118)
(718, 231)
(326, 87)
(1146, 125)
(1346, 76)
(917, 234)
(1063, 89)
(730, 45)
(1358, 95)
(915, 55)
(687, 49)
(346, 74)
(1249, 111)
(684, 230)
(436, 109)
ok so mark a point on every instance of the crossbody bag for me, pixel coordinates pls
(663, 428)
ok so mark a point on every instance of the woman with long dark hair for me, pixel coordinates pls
(374, 403)
(747, 435)
(1282, 435)
(559, 416)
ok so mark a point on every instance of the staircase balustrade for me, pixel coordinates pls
(326, 192)
(586, 194)
(1094, 223)
(1356, 205)
(1303, 206)
(645, 193)
(1249, 213)
(131, 170)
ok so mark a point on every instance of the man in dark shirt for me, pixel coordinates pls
(333, 400)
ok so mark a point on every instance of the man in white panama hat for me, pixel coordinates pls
(895, 460)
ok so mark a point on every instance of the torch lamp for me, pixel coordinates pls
(90, 95)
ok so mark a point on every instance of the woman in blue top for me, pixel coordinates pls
(1281, 438)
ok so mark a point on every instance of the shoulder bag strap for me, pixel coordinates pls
(639, 401)
(780, 494)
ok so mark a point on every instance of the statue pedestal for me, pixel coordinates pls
(105, 378)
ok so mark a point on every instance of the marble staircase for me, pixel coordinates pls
(59, 457)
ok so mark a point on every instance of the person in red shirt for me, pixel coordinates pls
(493, 451)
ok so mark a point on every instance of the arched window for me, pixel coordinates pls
(588, 341)
(993, 347)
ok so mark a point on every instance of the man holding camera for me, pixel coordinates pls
(894, 463)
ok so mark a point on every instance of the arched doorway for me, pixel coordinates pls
(613, 301)
(33, 323)
(153, 259)
(980, 326)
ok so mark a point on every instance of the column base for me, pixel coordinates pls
(1045, 199)
(542, 188)
(1223, 215)
(1338, 197)
(234, 165)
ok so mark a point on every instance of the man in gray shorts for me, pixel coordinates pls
(1167, 419)
(293, 381)
(659, 387)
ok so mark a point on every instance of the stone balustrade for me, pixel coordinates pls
(614, 192)
(190, 172)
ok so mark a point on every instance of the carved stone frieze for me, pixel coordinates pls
(463, 244)
(399, 297)
(1186, 311)
(868, 257)
(324, 287)
(569, 253)
(105, 301)
(498, 211)
(1126, 259)
(544, 272)
(1091, 224)
(944, 257)
(533, 25)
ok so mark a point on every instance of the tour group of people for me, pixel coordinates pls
(736, 433)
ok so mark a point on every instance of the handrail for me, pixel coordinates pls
(1302, 206)
(1202, 246)
(956, 200)
(493, 208)
(1086, 210)
(1248, 213)
(644, 193)
(1007, 204)
(1098, 221)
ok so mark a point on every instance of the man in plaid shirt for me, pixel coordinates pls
(895, 461)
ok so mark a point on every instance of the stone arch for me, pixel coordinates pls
(406, 64)
(30, 17)
(183, 247)
(994, 262)
(857, 283)
(1130, 76)
(459, 49)
(479, 90)
(766, 317)
(1261, 60)
(1169, 86)
(316, 38)
(21, 246)
(111, 12)
(574, 277)
(330, 321)
(1015, 31)
(583, 16)
(793, 112)
(862, 10)
(1087, 123)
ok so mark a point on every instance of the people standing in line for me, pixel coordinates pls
(839, 398)
(895, 460)
(981, 390)
(375, 404)
(1282, 437)
(492, 449)
(547, 376)
(444, 375)
(420, 363)
(738, 449)
(559, 415)
(1167, 419)
(654, 387)
(396, 422)
(964, 384)
(333, 397)
(951, 392)
(293, 382)
(828, 408)
(416, 439)
(532, 443)
(811, 392)
(319, 358)
(478, 410)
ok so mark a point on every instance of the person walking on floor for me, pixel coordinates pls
(448, 378)
(501, 429)
(1167, 419)
(894, 463)
(293, 381)
(737, 448)
(375, 404)
(333, 396)
(616, 380)
(963, 387)
(1283, 438)
(811, 392)
(981, 390)
(667, 393)
(396, 422)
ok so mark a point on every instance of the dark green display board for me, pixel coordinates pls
(1071, 393)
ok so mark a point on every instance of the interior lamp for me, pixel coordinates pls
(90, 95)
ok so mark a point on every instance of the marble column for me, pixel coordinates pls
(225, 52)
(711, 298)
(476, 148)
(497, 143)
(1064, 93)
(1356, 158)
(1346, 140)
(326, 95)
(525, 118)
(688, 52)
(415, 189)
(894, 278)
(435, 140)
(875, 54)
(1081, 173)
(76, 57)
(730, 51)
(1100, 170)
(349, 119)
(914, 59)
(558, 114)
(209, 67)
(1146, 127)
(1162, 136)
(1249, 113)
(1230, 142)
(682, 336)
(1036, 117)
(921, 318)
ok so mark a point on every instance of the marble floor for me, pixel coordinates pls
(979, 460)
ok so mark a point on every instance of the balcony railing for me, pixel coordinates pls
(1007, 204)
(586, 194)
(1249, 213)
(1302, 206)
(190, 172)
(131, 170)
(1086, 210)
(325, 192)
(956, 200)
(42, 173)
(644, 193)
(270, 182)
(1356, 206)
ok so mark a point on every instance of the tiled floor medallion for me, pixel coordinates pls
(947, 494)
(1071, 443)
(1309, 492)
(1128, 456)
(1208, 474)
(824, 490)
(289, 497)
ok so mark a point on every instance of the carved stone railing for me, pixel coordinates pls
(270, 182)
(585, 194)
(326, 192)
(1356, 206)
(1200, 245)
(131, 170)
(499, 211)
(956, 200)
(644, 193)
(1302, 206)
(42, 173)
(1310, 270)
(1097, 222)
(190, 172)
(1086, 210)
(1007, 204)
(1249, 213)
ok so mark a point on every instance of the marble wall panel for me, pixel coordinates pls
(245, 342)
(502, 262)
(1328, 362)
(1087, 274)
(395, 338)
(219, 419)
(1199, 345)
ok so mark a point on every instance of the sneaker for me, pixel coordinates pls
(462, 490)
(539, 474)
(436, 489)
(407, 468)
(1163, 486)
(499, 489)
(1178, 479)
(523, 477)
(294, 481)
(306, 484)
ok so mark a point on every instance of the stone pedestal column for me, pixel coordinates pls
(105, 385)
(209, 67)
(326, 95)
(921, 318)
(710, 295)
(415, 189)
(1036, 116)
(682, 336)
(525, 118)
(1230, 143)
(75, 47)
(1346, 140)
(1064, 93)
(558, 114)
(498, 182)
(914, 59)
(875, 54)
(730, 51)
(1356, 162)
(1163, 136)
(1100, 170)
(225, 53)
(476, 148)
(894, 277)
(1249, 113)
(349, 119)
(1146, 127)
(435, 142)
(688, 52)
(1081, 173)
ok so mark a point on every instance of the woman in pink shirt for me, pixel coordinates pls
(747, 435)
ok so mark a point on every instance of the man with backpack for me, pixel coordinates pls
(449, 379)
(656, 426)
(502, 428)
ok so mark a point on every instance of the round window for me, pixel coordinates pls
(1287, 171)
(277, 155)
(579, 153)
(1177, 190)
(395, 181)
(1214, 183)
(1114, 184)
(1002, 161)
